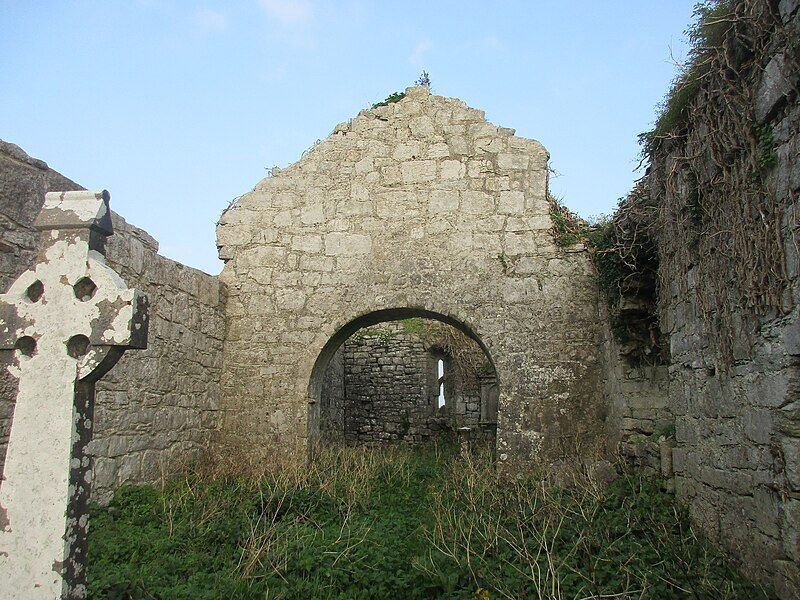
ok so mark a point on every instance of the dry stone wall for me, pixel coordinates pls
(420, 207)
(737, 460)
(158, 407)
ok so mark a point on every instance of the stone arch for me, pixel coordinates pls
(420, 204)
(366, 320)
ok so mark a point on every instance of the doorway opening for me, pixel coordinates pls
(403, 380)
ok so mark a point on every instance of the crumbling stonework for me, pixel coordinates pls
(158, 407)
(639, 413)
(419, 208)
(735, 403)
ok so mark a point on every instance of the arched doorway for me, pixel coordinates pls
(403, 376)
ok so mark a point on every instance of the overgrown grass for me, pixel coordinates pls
(401, 524)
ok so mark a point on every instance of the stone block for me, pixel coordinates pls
(473, 202)
(513, 161)
(418, 171)
(790, 528)
(452, 169)
(311, 215)
(407, 151)
(422, 127)
(511, 203)
(776, 85)
(347, 244)
(787, 8)
(307, 243)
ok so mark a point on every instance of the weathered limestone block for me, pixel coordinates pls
(68, 321)
(776, 85)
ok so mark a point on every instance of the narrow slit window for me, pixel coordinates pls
(440, 367)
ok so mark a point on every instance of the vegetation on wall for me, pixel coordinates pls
(720, 218)
(390, 99)
(395, 523)
(707, 215)
(626, 270)
(424, 80)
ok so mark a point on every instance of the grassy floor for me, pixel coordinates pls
(400, 524)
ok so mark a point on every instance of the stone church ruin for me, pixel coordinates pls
(405, 280)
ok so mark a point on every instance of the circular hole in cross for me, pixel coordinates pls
(35, 291)
(26, 345)
(77, 346)
(84, 289)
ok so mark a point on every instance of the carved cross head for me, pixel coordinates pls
(71, 307)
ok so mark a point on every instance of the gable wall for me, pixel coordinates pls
(421, 205)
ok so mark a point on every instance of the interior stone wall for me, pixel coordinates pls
(158, 407)
(640, 420)
(388, 387)
(418, 208)
(391, 389)
(333, 402)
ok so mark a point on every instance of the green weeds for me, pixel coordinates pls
(391, 99)
(401, 524)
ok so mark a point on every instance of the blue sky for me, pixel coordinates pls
(178, 107)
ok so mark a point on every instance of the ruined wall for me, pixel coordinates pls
(725, 218)
(157, 407)
(737, 460)
(419, 206)
(640, 420)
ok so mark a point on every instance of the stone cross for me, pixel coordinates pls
(68, 320)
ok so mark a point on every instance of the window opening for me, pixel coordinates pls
(441, 382)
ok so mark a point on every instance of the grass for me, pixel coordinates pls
(390, 99)
(404, 524)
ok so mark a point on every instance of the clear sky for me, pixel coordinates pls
(177, 107)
